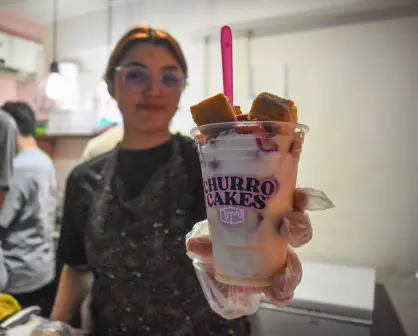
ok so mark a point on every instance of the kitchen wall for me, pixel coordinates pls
(11, 87)
(8, 88)
(21, 27)
(356, 87)
(67, 152)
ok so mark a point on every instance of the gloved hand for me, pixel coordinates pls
(235, 301)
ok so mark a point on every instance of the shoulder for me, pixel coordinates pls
(187, 147)
(190, 155)
(6, 121)
(8, 127)
(88, 173)
(35, 162)
(103, 142)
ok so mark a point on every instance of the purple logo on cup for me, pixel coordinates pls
(238, 192)
(231, 216)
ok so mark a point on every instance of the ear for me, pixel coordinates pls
(110, 88)
(186, 83)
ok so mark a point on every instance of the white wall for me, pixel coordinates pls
(199, 83)
(83, 38)
(200, 86)
(356, 87)
(194, 91)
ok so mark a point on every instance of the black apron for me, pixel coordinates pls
(144, 282)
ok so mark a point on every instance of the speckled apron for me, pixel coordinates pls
(144, 282)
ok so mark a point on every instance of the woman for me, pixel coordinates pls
(127, 212)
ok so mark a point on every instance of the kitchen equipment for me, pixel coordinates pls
(330, 300)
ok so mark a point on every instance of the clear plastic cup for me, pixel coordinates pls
(249, 176)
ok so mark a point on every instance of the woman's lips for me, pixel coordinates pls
(150, 107)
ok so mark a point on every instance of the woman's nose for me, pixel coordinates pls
(153, 87)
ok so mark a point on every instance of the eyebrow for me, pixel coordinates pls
(142, 65)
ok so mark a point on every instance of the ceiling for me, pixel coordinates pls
(41, 10)
(82, 30)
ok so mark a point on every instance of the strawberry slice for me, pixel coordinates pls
(200, 139)
(265, 143)
(242, 117)
(212, 141)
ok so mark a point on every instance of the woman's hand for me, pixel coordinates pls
(295, 228)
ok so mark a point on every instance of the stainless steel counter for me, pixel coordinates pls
(343, 301)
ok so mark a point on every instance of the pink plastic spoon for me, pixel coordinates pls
(227, 68)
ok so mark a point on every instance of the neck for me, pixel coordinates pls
(27, 142)
(136, 140)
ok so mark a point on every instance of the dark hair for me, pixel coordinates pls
(143, 34)
(23, 115)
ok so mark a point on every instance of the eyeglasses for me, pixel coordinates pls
(136, 78)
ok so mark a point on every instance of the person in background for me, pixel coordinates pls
(8, 138)
(27, 218)
(103, 143)
(127, 211)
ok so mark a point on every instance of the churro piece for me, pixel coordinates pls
(215, 109)
(237, 110)
(268, 106)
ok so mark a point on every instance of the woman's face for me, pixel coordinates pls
(148, 84)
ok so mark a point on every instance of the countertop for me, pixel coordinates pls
(402, 290)
(395, 312)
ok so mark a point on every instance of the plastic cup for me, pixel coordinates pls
(249, 173)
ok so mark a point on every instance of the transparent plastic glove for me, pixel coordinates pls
(53, 328)
(296, 226)
(230, 302)
(235, 301)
